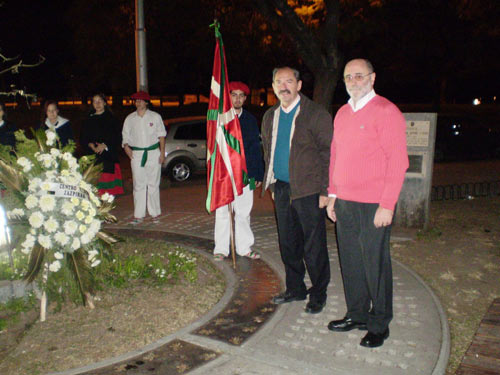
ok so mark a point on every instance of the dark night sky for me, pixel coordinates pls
(63, 32)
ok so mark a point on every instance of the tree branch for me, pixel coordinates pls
(306, 43)
(15, 68)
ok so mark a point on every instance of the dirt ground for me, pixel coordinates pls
(459, 258)
(123, 320)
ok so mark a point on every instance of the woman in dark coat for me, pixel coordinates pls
(7, 128)
(100, 136)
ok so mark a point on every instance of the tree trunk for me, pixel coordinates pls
(325, 82)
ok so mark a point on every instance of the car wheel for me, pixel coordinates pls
(180, 169)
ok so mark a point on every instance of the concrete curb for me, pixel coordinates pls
(444, 353)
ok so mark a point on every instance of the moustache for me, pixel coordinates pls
(285, 91)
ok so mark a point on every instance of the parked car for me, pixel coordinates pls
(185, 147)
(465, 138)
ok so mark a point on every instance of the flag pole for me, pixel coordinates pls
(231, 224)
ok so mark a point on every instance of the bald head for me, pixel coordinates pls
(359, 78)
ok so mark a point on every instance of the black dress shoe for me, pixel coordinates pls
(314, 307)
(288, 297)
(374, 340)
(346, 324)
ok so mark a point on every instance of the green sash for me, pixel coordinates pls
(145, 154)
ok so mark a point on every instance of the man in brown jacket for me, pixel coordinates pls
(296, 136)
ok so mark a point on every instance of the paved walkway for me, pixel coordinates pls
(291, 341)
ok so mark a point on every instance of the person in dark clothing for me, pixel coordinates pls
(100, 136)
(242, 204)
(7, 128)
(296, 135)
(52, 120)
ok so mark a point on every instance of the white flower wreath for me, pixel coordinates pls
(59, 203)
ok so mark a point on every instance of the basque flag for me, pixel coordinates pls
(226, 166)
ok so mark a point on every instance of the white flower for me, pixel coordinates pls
(28, 244)
(80, 215)
(58, 255)
(67, 156)
(75, 245)
(51, 137)
(67, 208)
(95, 263)
(89, 219)
(86, 238)
(70, 227)
(26, 250)
(47, 203)
(45, 241)
(85, 204)
(65, 173)
(55, 152)
(45, 185)
(51, 225)
(82, 228)
(27, 167)
(47, 162)
(106, 197)
(34, 183)
(22, 161)
(75, 201)
(72, 164)
(31, 201)
(61, 238)
(55, 266)
(36, 219)
(95, 226)
(92, 254)
(92, 212)
(25, 163)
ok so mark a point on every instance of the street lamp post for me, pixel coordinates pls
(141, 65)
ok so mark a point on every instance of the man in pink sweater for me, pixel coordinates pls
(368, 160)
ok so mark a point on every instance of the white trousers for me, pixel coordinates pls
(243, 236)
(146, 182)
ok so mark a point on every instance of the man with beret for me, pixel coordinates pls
(242, 204)
(144, 143)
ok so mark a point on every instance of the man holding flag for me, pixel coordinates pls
(242, 204)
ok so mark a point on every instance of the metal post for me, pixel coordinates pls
(141, 65)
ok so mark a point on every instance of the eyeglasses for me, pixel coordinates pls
(357, 77)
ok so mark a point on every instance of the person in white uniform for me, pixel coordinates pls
(144, 143)
(242, 204)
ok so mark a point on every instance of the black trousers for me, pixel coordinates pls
(365, 261)
(302, 239)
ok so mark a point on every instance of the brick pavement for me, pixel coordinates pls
(291, 341)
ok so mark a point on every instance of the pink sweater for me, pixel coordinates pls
(368, 156)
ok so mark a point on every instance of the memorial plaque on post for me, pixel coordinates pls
(413, 206)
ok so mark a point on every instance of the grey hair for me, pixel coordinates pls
(369, 65)
(295, 72)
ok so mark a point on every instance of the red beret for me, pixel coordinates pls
(236, 85)
(142, 95)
